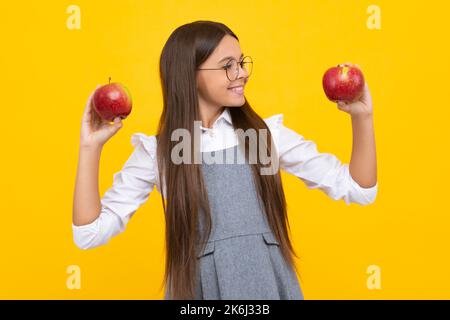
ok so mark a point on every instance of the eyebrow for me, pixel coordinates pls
(229, 58)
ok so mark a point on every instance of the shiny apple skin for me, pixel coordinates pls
(343, 83)
(112, 100)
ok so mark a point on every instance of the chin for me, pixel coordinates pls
(236, 102)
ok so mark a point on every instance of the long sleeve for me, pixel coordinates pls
(324, 171)
(131, 188)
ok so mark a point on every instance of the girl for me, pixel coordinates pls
(226, 223)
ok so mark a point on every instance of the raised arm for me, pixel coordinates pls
(318, 170)
(95, 220)
(93, 135)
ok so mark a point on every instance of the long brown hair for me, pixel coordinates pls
(185, 50)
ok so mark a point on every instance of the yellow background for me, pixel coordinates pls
(48, 71)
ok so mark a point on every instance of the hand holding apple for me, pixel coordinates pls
(95, 131)
(346, 86)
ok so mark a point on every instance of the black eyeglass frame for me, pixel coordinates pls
(225, 67)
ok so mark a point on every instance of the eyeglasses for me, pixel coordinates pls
(232, 67)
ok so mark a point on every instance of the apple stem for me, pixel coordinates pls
(109, 80)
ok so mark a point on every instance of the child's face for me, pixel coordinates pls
(213, 85)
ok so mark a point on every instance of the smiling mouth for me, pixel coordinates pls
(237, 90)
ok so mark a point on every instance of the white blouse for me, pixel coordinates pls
(134, 182)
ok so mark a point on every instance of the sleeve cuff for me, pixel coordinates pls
(364, 195)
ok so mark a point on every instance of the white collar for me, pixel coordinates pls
(224, 115)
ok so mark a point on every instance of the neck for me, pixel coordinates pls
(209, 114)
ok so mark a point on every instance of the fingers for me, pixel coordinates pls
(343, 106)
(113, 128)
(366, 93)
(89, 101)
(118, 121)
(92, 116)
(366, 88)
(95, 121)
(88, 114)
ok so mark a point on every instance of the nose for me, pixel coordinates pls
(242, 73)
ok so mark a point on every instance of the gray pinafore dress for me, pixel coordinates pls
(242, 258)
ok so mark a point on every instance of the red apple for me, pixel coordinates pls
(112, 100)
(343, 83)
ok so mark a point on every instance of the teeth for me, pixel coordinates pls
(238, 89)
